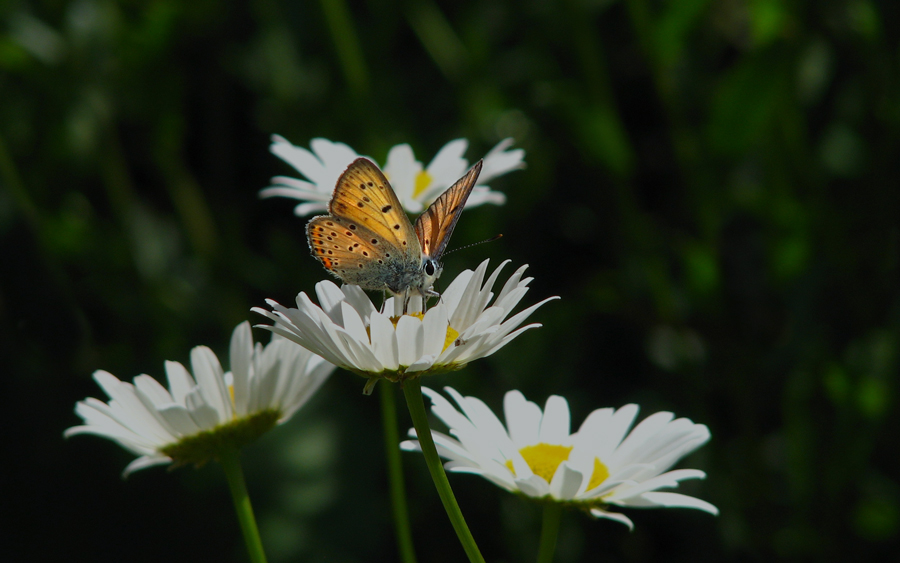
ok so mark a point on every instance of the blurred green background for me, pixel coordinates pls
(712, 189)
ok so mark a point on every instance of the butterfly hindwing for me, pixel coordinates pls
(436, 224)
(351, 255)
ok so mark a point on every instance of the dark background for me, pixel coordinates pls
(712, 189)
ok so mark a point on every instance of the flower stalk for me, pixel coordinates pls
(549, 531)
(395, 473)
(231, 463)
(412, 390)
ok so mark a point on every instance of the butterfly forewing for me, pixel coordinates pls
(367, 239)
(435, 225)
(364, 198)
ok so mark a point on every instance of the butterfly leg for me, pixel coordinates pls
(407, 299)
(431, 293)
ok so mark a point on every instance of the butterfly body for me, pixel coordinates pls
(367, 240)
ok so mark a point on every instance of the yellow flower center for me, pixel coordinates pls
(423, 181)
(544, 460)
(396, 319)
(451, 337)
(600, 474)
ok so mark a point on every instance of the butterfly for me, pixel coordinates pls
(367, 239)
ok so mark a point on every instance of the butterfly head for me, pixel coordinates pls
(431, 271)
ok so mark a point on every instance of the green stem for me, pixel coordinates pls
(549, 531)
(231, 463)
(438, 37)
(395, 472)
(412, 390)
(340, 23)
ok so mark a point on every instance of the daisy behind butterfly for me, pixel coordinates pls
(367, 239)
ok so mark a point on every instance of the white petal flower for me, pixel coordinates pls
(601, 464)
(187, 422)
(347, 329)
(322, 168)
(416, 186)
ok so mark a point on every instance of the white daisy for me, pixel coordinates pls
(192, 420)
(415, 186)
(601, 464)
(347, 329)
(322, 168)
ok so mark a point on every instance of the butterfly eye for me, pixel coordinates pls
(429, 268)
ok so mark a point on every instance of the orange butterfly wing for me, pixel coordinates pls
(436, 224)
(340, 246)
(364, 196)
(367, 239)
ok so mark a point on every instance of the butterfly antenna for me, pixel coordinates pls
(492, 239)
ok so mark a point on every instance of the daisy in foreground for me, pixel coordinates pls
(348, 330)
(197, 418)
(599, 466)
(415, 185)
(210, 415)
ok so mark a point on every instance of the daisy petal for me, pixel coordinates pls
(620, 518)
(672, 500)
(186, 420)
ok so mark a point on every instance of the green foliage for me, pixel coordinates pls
(711, 188)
